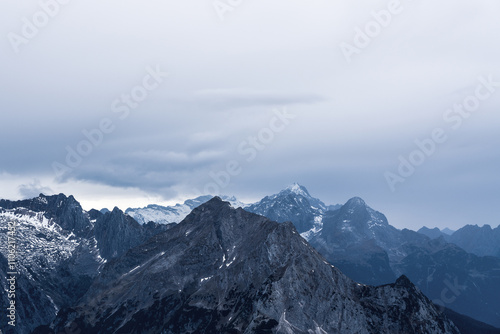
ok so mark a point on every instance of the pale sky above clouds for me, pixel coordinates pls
(227, 80)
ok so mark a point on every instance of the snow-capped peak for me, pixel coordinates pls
(298, 189)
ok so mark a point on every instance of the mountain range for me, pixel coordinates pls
(225, 269)
(482, 241)
(293, 203)
(361, 243)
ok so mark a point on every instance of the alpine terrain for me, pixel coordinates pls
(225, 270)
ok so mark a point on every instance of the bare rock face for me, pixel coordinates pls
(225, 270)
(116, 232)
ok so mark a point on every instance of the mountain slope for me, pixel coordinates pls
(224, 270)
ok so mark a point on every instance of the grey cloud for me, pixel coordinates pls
(33, 189)
(353, 120)
(154, 171)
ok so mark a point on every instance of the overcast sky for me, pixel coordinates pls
(257, 94)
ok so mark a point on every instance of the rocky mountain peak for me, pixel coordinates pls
(354, 213)
(116, 211)
(213, 205)
(220, 216)
(355, 203)
(404, 281)
(357, 214)
(292, 204)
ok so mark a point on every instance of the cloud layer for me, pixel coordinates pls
(353, 118)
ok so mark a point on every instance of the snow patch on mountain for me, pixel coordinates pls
(40, 242)
(318, 226)
(159, 214)
(176, 213)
